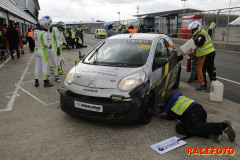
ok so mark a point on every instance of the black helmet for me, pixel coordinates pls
(61, 26)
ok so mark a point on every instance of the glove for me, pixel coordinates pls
(58, 51)
(50, 46)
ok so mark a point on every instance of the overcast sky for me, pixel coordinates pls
(106, 10)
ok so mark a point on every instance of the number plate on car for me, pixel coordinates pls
(89, 107)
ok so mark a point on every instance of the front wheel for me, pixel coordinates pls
(147, 109)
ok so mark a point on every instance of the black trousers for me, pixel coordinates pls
(14, 46)
(209, 67)
(194, 123)
(31, 44)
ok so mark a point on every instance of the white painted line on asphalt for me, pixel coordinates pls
(13, 97)
(32, 95)
(8, 59)
(222, 78)
(5, 62)
(227, 50)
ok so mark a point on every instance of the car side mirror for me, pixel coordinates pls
(161, 62)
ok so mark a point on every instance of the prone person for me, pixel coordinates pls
(192, 117)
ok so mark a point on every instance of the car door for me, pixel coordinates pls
(173, 63)
(159, 74)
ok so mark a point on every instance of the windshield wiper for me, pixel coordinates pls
(96, 52)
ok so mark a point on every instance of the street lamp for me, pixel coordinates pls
(119, 17)
(184, 7)
(93, 20)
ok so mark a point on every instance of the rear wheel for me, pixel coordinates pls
(147, 109)
(176, 84)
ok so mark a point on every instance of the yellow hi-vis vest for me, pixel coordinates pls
(181, 105)
(212, 25)
(72, 33)
(207, 47)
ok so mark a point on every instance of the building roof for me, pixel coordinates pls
(14, 9)
(168, 13)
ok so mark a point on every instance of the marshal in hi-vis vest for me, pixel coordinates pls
(207, 46)
(181, 105)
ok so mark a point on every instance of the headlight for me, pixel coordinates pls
(70, 76)
(131, 82)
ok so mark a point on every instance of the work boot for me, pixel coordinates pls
(60, 72)
(190, 80)
(229, 131)
(202, 88)
(47, 83)
(57, 79)
(217, 138)
(36, 83)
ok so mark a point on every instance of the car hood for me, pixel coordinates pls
(96, 76)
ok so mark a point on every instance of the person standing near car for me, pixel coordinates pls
(40, 51)
(192, 117)
(4, 35)
(52, 52)
(205, 51)
(60, 41)
(20, 38)
(13, 39)
(110, 31)
(210, 28)
(30, 39)
(131, 29)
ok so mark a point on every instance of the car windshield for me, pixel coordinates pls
(102, 31)
(120, 52)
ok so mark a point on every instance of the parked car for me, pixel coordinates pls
(123, 78)
(100, 33)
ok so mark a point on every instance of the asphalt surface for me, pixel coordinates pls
(33, 128)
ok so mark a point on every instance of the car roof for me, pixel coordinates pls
(147, 36)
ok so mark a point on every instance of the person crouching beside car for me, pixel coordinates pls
(192, 117)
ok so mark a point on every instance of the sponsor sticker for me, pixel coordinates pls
(168, 145)
(89, 107)
(146, 47)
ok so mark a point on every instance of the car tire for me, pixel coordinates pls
(147, 109)
(177, 82)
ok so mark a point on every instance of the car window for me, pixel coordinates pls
(126, 52)
(161, 49)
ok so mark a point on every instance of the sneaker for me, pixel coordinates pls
(57, 79)
(217, 138)
(202, 88)
(190, 80)
(36, 83)
(229, 131)
(60, 72)
(47, 83)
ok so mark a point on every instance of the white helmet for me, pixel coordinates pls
(43, 23)
(195, 27)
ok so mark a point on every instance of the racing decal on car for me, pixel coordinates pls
(99, 73)
(129, 41)
(147, 47)
(87, 106)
